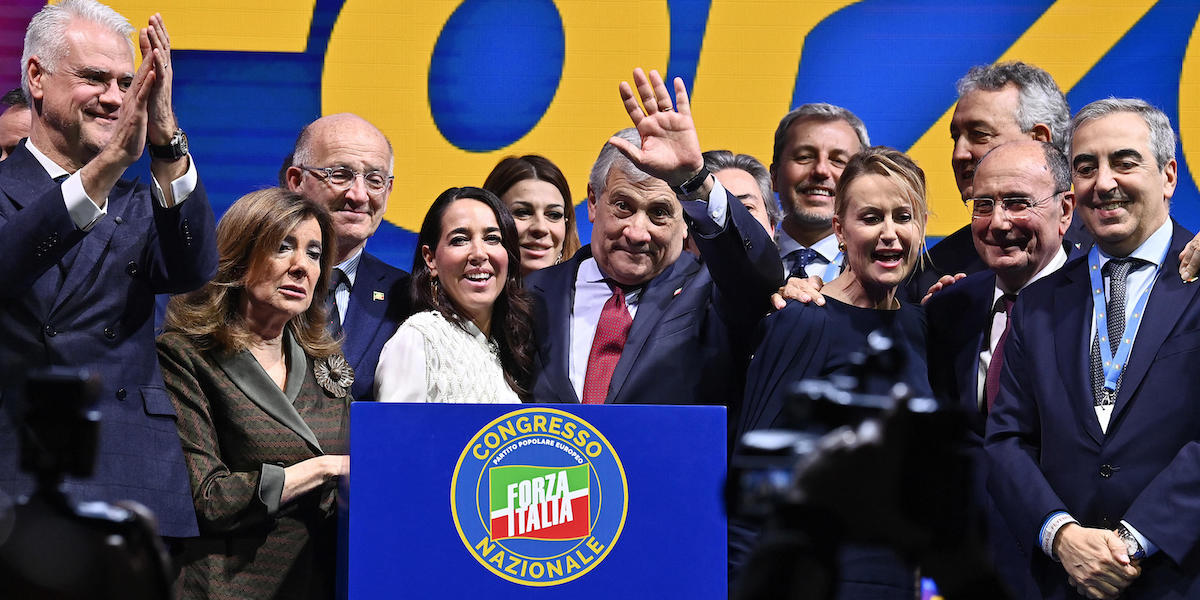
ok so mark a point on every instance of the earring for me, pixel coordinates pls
(842, 247)
(558, 259)
(433, 289)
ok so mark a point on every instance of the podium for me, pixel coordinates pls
(536, 500)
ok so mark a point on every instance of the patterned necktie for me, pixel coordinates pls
(334, 327)
(798, 260)
(1116, 270)
(991, 384)
(611, 332)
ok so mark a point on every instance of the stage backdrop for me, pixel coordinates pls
(459, 85)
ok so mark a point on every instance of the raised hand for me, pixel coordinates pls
(670, 148)
(156, 44)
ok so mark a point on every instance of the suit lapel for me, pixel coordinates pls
(363, 313)
(83, 260)
(245, 372)
(1168, 299)
(650, 310)
(554, 331)
(1072, 306)
(967, 362)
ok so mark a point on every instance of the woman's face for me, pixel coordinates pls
(469, 261)
(880, 232)
(281, 286)
(540, 213)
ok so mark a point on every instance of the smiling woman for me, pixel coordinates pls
(261, 393)
(471, 337)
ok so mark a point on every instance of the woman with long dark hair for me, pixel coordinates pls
(536, 193)
(470, 339)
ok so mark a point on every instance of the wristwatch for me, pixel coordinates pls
(174, 150)
(692, 185)
(1132, 546)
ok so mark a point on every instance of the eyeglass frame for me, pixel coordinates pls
(328, 177)
(1031, 204)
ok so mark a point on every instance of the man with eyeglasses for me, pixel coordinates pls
(1094, 439)
(1021, 206)
(345, 163)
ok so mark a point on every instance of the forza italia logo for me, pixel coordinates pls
(539, 497)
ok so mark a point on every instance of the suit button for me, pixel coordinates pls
(121, 393)
(50, 330)
(1106, 471)
(118, 220)
(110, 333)
(1105, 523)
(131, 269)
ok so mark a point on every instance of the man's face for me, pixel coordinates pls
(1018, 245)
(81, 99)
(1121, 191)
(813, 157)
(983, 119)
(14, 125)
(348, 142)
(637, 228)
(745, 188)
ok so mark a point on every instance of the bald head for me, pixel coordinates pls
(1027, 186)
(350, 142)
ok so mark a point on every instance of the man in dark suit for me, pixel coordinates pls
(83, 258)
(1094, 438)
(997, 104)
(345, 163)
(632, 319)
(1021, 207)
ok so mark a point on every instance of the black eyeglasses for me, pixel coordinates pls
(1016, 207)
(342, 178)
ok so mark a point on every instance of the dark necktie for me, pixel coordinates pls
(799, 260)
(991, 384)
(336, 279)
(611, 332)
(1116, 271)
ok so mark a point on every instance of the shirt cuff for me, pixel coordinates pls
(718, 204)
(180, 188)
(1050, 527)
(1147, 546)
(84, 213)
(270, 487)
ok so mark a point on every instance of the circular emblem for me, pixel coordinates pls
(539, 497)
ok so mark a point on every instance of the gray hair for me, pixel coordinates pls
(718, 160)
(1162, 136)
(1056, 163)
(822, 112)
(610, 158)
(1039, 99)
(46, 36)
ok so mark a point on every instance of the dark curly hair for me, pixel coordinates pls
(512, 314)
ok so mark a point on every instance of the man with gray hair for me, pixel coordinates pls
(1094, 439)
(749, 181)
(813, 143)
(631, 318)
(997, 103)
(85, 252)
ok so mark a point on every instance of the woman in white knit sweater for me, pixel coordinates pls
(470, 339)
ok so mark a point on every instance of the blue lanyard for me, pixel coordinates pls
(833, 269)
(1113, 364)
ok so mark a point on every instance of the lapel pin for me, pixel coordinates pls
(677, 292)
(377, 295)
(1190, 280)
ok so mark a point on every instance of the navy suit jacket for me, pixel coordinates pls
(379, 302)
(1046, 447)
(86, 299)
(693, 333)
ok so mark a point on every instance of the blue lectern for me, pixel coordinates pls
(534, 500)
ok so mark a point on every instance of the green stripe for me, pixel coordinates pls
(499, 479)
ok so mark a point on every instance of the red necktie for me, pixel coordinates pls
(611, 332)
(991, 384)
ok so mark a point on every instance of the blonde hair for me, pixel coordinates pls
(250, 231)
(898, 168)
